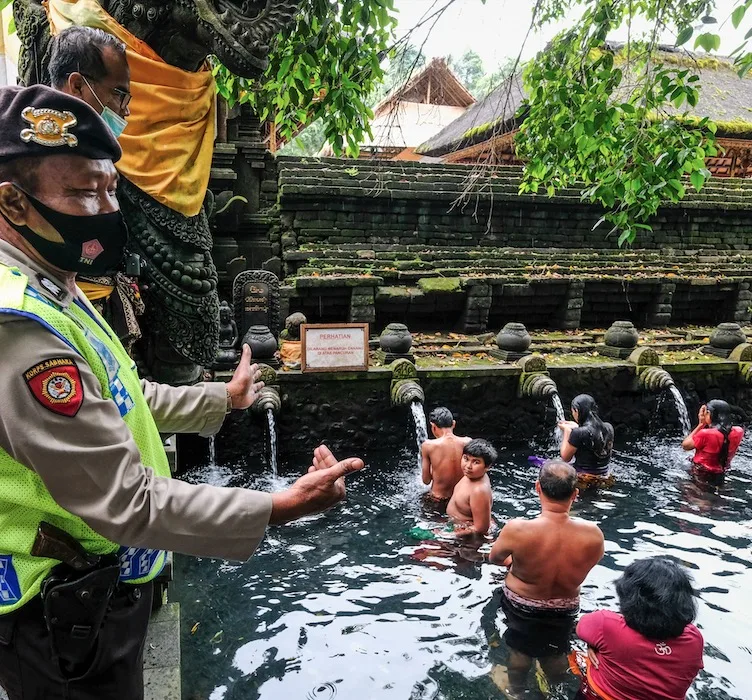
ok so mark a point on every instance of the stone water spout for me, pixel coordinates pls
(268, 398)
(534, 380)
(655, 379)
(405, 388)
(650, 375)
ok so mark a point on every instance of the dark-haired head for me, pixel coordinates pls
(656, 598)
(585, 406)
(441, 417)
(80, 50)
(720, 419)
(585, 412)
(558, 480)
(481, 449)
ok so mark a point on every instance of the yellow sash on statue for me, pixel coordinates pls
(169, 140)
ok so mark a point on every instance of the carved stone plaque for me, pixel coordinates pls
(255, 296)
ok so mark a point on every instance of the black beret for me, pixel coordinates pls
(39, 121)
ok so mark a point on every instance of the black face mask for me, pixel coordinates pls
(92, 245)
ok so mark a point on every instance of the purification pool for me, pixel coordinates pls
(341, 605)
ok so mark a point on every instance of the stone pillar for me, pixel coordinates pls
(660, 314)
(572, 307)
(742, 312)
(362, 305)
(477, 308)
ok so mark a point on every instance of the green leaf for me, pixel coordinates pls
(684, 36)
(738, 15)
(697, 179)
(709, 42)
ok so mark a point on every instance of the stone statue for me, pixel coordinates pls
(179, 279)
(290, 349)
(227, 355)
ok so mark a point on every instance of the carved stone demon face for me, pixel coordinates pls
(185, 32)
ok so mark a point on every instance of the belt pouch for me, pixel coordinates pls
(74, 610)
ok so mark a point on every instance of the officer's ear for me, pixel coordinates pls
(13, 204)
(75, 85)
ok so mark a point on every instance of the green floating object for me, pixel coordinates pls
(420, 533)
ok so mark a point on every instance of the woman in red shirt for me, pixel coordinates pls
(651, 651)
(715, 440)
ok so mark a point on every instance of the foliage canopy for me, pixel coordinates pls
(622, 127)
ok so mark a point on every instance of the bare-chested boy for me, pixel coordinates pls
(549, 558)
(441, 458)
(470, 507)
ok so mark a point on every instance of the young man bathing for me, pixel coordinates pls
(470, 507)
(441, 458)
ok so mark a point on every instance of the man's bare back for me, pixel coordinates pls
(441, 460)
(551, 555)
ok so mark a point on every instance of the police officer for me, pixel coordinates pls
(87, 508)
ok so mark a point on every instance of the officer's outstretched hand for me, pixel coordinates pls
(244, 386)
(321, 488)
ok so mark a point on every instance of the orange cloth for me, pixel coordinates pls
(291, 351)
(93, 291)
(169, 141)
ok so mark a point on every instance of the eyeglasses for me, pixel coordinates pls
(124, 95)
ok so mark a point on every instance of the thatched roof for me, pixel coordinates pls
(435, 84)
(725, 98)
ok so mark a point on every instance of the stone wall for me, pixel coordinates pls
(351, 412)
(446, 247)
(339, 202)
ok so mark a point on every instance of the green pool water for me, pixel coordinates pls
(337, 605)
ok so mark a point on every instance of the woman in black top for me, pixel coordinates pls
(588, 439)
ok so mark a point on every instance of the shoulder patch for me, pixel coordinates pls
(56, 384)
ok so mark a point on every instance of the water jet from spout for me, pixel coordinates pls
(272, 442)
(421, 428)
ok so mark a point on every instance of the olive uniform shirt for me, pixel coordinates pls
(90, 463)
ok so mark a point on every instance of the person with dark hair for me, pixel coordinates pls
(470, 507)
(589, 441)
(715, 440)
(88, 510)
(548, 558)
(91, 64)
(650, 650)
(441, 459)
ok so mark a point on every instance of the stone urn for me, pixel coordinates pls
(261, 341)
(514, 338)
(622, 334)
(396, 339)
(727, 336)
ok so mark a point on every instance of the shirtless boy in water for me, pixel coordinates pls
(548, 559)
(441, 457)
(470, 507)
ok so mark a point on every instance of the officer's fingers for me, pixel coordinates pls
(257, 387)
(323, 457)
(245, 357)
(343, 468)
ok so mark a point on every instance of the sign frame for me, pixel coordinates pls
(334, 327)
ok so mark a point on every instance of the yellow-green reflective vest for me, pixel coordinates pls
(24, 499)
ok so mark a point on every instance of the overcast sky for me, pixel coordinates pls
(498, 28)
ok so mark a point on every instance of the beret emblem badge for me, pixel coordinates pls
(49, 127)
